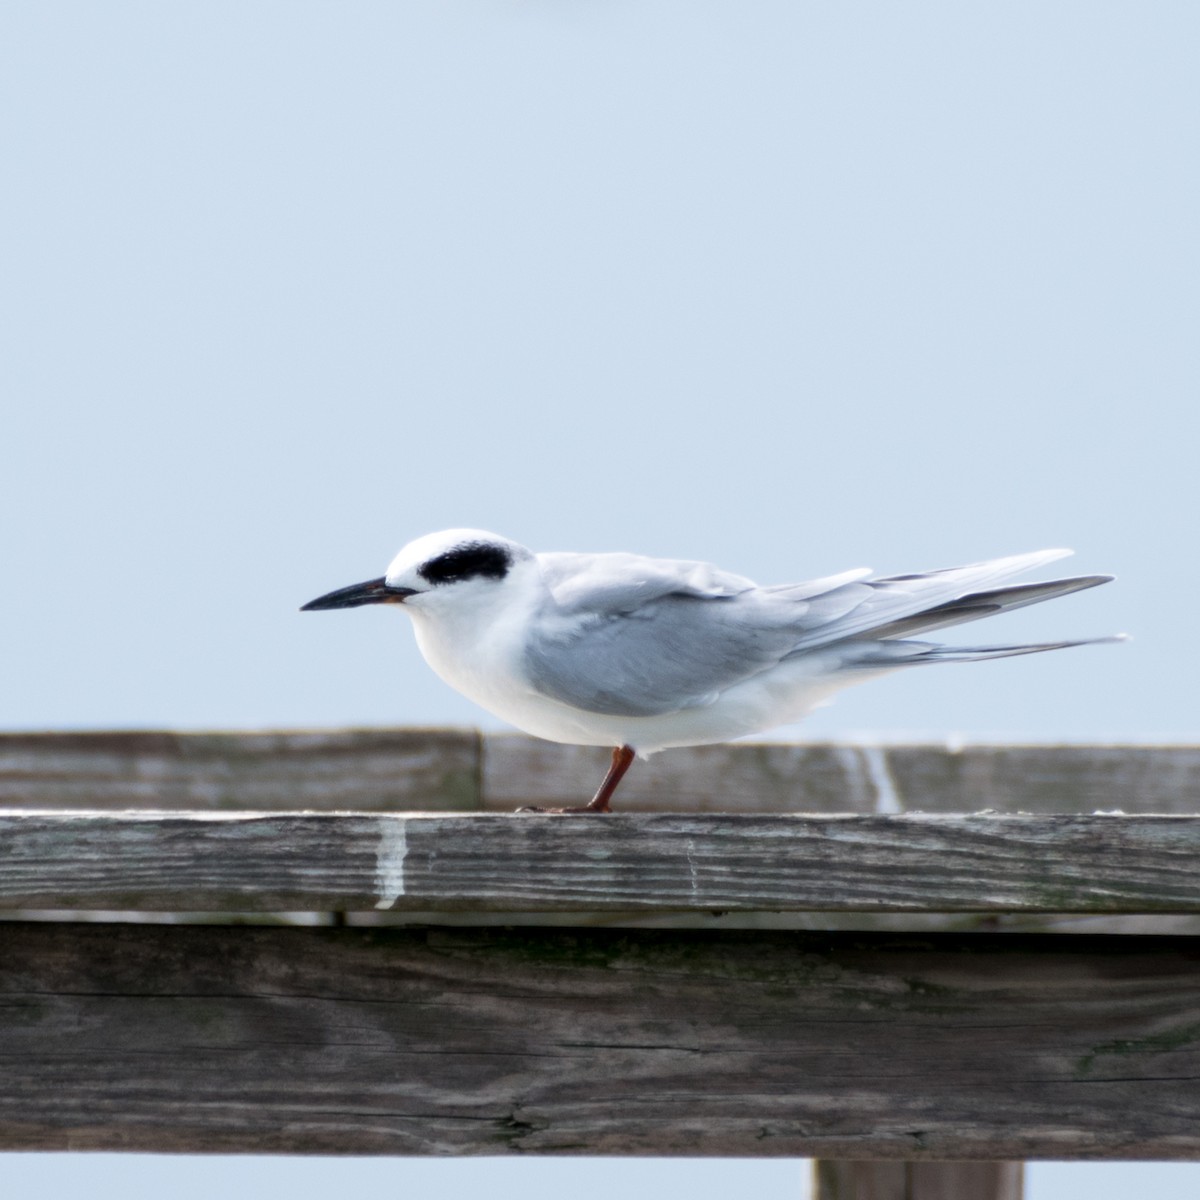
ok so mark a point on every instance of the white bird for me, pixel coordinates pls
(643, 654)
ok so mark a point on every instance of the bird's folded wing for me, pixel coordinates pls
(623, 583)
(886, 602)
(631, 636)
(674, 652)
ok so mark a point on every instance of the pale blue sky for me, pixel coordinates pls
(791, 286)
(150, 1177)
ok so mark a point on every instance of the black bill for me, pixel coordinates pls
(374, 591)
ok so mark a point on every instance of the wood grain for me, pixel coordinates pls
(733, 777)
(851, 777)
(460, 770)
(368, 770)
(834, 1180)
(525, 1041)
(625, 863)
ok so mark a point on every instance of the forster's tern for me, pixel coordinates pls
(642, 654)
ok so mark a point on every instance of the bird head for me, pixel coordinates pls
(439, 572)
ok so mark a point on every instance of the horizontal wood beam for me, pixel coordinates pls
(346, 1041)
(460, 770)
(385, 769)
(622, 863)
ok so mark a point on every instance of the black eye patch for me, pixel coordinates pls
(469, 561)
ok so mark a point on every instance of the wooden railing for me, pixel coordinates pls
(791, 961)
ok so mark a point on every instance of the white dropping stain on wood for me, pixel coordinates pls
(851, 763)
(887, 797)
(389, 861)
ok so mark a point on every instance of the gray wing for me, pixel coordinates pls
(885, 605)
(676, 651)
(621, 583)
(628, 636)
(624, 583)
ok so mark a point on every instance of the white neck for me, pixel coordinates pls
(474, 638)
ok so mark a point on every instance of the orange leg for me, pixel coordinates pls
(622, 758)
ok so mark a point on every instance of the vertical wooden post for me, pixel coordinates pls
(835, 1179)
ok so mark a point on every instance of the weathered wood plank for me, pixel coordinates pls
(852, 777)
(1048, 779)
(917, 1180)
(470, 1041)
(366, 770)
(458, 770)
(732, 777)
(622, 863)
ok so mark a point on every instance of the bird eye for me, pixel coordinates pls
(474, 560)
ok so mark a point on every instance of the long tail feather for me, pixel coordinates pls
(985, 604)
(905, 654)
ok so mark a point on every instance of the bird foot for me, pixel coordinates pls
(622, 756)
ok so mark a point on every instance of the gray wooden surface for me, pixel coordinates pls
(460, 770)
(319, 769)
(343, 1041)
(848, 1046)
(917, 1180)
(625, 863)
